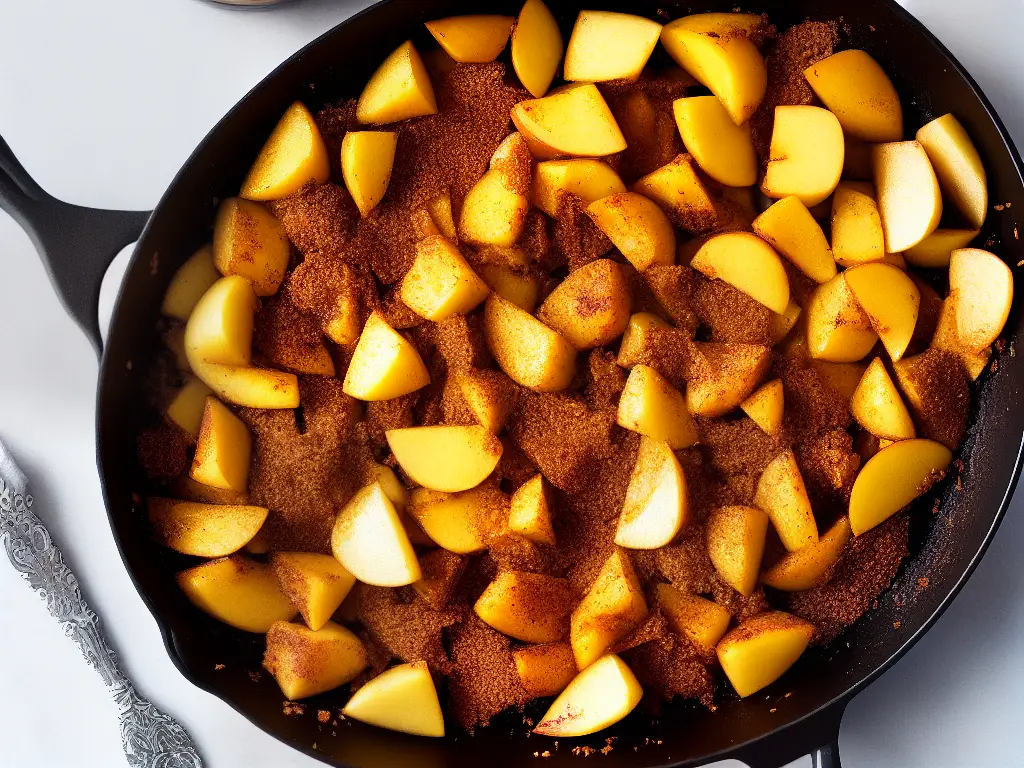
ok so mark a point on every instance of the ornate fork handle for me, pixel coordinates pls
(151, 738)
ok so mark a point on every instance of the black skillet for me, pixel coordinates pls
(798, 715)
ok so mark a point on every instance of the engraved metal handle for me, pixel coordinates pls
(151, 738)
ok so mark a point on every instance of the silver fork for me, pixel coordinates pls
(151, 738)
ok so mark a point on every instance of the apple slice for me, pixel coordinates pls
(609, 46)
(462, 523)
(490, 395)
(440, 283)
(702, 622)
(317, 584)
(760, 650)
(747, 263)
(838, 330)
(651, 406)
(590, 307)
(611, 608)
(384, 365)
(219, 329)
(638, 338)
(958, 166)
(441, 573)
(589, 180)
(445, 458)
(186, 409)
(249, 241)
(307, 662)
(792, 231)
(294, 155)
(239, 591)
(402, 698)
(191, 280)
(937, 392)
(736, 537)
(370, 541)
(521, 289)
(947, 337)
(935, 250)
(782, 494)
(530, 607)
(909, 199)
(890, 300)
(494, 210)
(781, 323)
(655, 508)
(223, 451)
(877, 406)
(532, 354)
(857, 235)
(811, 566)
(981, 285)
(545, 670)
(474, 39)
(536, 47)
(678, 188)
(531, 513)
(367, 158)
(723, 150)
(725, 375)
(204, 530)
(599, 696)
(637, 227)
(251, 387)
(893, 478)
(575, 120)
(398, 90)
(766, 407)
(806, 154)
(854, 87)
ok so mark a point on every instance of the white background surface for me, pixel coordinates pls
(103, 100)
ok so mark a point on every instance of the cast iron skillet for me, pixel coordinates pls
(799, 714)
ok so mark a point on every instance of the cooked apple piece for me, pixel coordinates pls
(806, 157)
(223, 451)
(251, 387)
(982, 288)
(747, 263)
(398, 90)
(441, 573)
(489, 395)
(766, 406)
(532, 354)
(725, 376)
(317, 584)
(636, 339)
(716, 49)
(204, 530)
(958, 167)
(702, 622)
(890, 300)
(722, 149)
(781, 323)
(536, 47)
(445, 458)
(495, 209)
(462, 523)
(938, 393)
(613, 606)
(842, 378)
(306, 662)
(736, 537)
(249, 241)
(186, 409)
(599, 696)
(531, 511)
(191, 280)
(520, 288)
(893, 478)
(472, 39)
(655, 508)
(760, 650)
(574, 121)
(590, 307)
(857, 90)
(545, 670)
(184, 487)
(402, 698)
(856, 226)
(878, 407)
(948, 338)
(935, 250)
(294, 155)
(390, 484)
(440, 209)
(782, 494)
(370, 541)
(653, 407)
(239, 591)
(792, 231)
(440, 283)
(609, 46)
(219, 330)
(384, 365)
(679, 190)
(589, 180)
(257, 545)
(530, 607)
(367, 158)
(909, 199)
(637, 227)
(837, 328)
(811, 566)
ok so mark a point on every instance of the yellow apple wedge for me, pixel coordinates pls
(856, 89)
(494, 210)
(935, 250)
(651, 406)
(811, 566)
(489, 395)
(530, 607)
(638, 338)
(398, 90)
(890, 300)
(402, 698)
(723, 150)
(531, 511)
(947, 338)
(782, 494)
(367, 158)
(806, 156)
(877, 406)
(655, 508)
(440, 283)
(958, 166)
(599, 696)
(609, 46)
(909, 199)
(893, 478)
(748, 264)
(790, 229)
(251, 387)
(520, 288)
(766, 407)
(445, 458)
(981, 285)
(472, 39)
(841, 378)
(294, 155)
(611, 608)
(735, 537)
(589, 180)
(545, 670)
(838, 330)
(219, 329)
(760, 650)
(370, 541)
(306, 662)
(703, 622)
(186, 409)
(222, 453)
(780, 324)
(637, 227)
(536, 47)
(249, 241)
(532, 354)
(857, 235)
(191, 280)
(678, 188)
(317, 584)
(384, 364)
(726, 375)
(573, 121)
(238, 591)
(204, 530)
(462, 523)
(590, 307)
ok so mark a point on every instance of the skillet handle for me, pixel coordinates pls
(817, 735)
(76, 244)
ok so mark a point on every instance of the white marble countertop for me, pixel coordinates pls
(103, 101)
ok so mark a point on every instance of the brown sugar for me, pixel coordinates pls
(323, 284)
(512, 552)
(163, 451)
(409, 628)
(576, 237)
(673, 287)
(685, 563)
(938, 393)
(290, 338)
(605, 381)
(812, 406)
(320, 218)
(396, 313)
(460, 341)
(441, 572)
(382, 415)
(669, 667)
(484, 680)
(643, 111)
(730, 314)
(829, 465)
